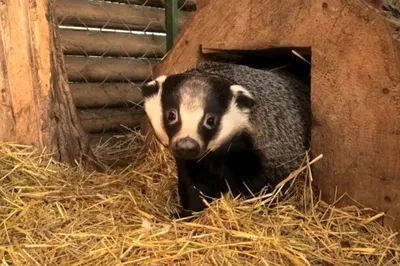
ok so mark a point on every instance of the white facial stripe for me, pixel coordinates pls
(191, 114)
(236, 89)
(234, 121)
(154, 111)
(161, 79)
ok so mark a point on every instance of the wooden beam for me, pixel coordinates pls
(112, 16)
(103, 120)
(89, 69)
(82, 42)
(202, 3)
(186, 5)
(91, 95)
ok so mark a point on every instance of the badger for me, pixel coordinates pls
(229, 127)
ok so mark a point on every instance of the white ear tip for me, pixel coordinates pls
(237, 89)
(151, 83)
(161, 78)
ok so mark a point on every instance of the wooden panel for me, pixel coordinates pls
(81, 42)
(90, 95)
(188, 5)
(355, 84)
(83, 13)
(202, 3)
(102, 120)
(89, 69)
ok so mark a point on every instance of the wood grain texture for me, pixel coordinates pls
(82, 42)
(110, 119)
(202, 3)
(83, 13)
(108, 69)
(36, 105)
(92, 95)
(355, 84)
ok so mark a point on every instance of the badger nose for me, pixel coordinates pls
(187, 148)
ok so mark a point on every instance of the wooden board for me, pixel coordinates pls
(82, 42)
(355, 84)
(110, 119)
(83, 13)
(202, 3)
(92, 95)
(108, 69)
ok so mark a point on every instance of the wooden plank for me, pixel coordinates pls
(103, 120)
(82, 13)
(186, 5)
(82, 42)
(91, 95)
(89, 69)
(202, 3)
(355, 89)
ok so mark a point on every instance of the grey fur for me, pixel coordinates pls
(281, 114)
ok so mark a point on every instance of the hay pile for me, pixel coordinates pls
(55, 215)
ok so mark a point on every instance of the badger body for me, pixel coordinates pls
(229, 127)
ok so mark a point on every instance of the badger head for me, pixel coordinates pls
(195, 114)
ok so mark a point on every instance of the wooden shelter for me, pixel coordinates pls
(355, 83)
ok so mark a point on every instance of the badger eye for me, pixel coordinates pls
(172, 116)
(210, 121)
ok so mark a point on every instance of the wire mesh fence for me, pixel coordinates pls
(110, 48)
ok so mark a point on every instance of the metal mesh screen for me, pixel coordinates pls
(110, 48)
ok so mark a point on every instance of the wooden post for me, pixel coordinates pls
(36, 105)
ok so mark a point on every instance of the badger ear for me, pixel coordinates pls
(151, 88)
(243, 98)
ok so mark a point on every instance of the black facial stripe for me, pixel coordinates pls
(217, 103)
(209, 134)
(173, 129)
(170, 99)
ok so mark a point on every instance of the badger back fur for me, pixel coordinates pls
(260, 137)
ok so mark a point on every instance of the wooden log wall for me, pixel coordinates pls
(110, 48)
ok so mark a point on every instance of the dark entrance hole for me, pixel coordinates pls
(295, 61)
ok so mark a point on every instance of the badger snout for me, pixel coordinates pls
(187, 148)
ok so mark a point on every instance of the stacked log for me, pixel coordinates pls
(107, 61)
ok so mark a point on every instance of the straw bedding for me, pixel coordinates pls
(52, 214)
